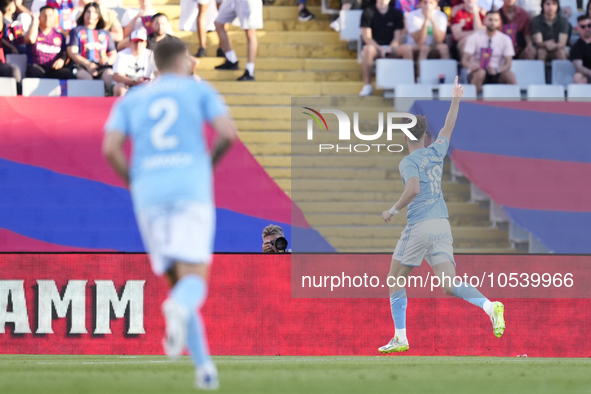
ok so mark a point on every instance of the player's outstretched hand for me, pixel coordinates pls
(458, 89)
(387, 216)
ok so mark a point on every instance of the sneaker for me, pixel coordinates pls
(220, 53)
(394, 346)
(305, 15)
(498, 319)
(207, 377)
(336, 25)
(246, 77)
(177, 320)
(227, 65)
(367, 90)
(200, 52)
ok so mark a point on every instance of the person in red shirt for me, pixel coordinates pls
(517, 25)
(46, 48)
(464, 22)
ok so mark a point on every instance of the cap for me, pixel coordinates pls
(139, 35)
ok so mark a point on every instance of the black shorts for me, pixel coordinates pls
(489, 79)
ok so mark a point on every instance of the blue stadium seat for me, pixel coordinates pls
(578, 92)
(562, 72)
(86, 88)
(446, 91)
(41, 87)
(545, 93)
(393, 72)
(430, 70)
(528, 72)
(406, 94)
(500, 92)
(7, 87)
(350, 21)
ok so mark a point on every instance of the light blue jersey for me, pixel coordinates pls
(427, 165)
(165, 119)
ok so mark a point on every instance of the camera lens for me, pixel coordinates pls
(281, 243)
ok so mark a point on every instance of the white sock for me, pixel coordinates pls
(400, 333)
(250, 68)
(231, 56)
(488, 307)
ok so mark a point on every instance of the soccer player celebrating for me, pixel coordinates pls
(428, 233)
(172, 190)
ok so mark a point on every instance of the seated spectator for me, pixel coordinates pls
(580, 53)
(465, 20)
(134, 65)
(46, 48)
(68, 12)
(426, 29)
(304, 14)
(488, 54)
(550, 32)
(516, 24)
(16, 24)
(6, 70)
(381, 28)
(112, 23)
(270, 235)
(161, 26)
(91, 47)
(133, 19)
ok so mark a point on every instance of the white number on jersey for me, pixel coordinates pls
(169, 108)
(435, 176)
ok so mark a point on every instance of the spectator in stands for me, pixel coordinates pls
(16, 25)
(304, 14)
(161, 26)
(581, 51)
(516, 24)
(426, 29)
(465, 20)
(68, 12)
(133, 19)
(6, 70)
(381, 28)
(91, 47)
(550, 32)
(488, 54)
(250, 14)
(202, 7)
(270, 234)
(112, 23)
(134, 65)
(46, 48)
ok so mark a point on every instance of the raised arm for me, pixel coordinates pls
(452, 115)
(224, 127)
(113, 152)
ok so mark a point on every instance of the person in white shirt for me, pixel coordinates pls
(426, 27)
(134, 65)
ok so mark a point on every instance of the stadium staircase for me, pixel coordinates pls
(308, 59)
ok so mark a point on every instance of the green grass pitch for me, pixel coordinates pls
(21, 374)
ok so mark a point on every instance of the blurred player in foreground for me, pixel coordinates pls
(428, 233)
(172, 189)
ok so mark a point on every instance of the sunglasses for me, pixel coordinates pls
(587, 26)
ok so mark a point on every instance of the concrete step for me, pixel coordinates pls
(254, 100)
(345, 150)
(287, 99)
(238, 37)
(272, 137)
(261, 112)
(338, 185)
(389, 231)
(385, 197)
(360, 161)
(282, 76)
(340, 173)
(313, 50)
(376, 208)
(349, 242)
(456, 250)
(295, 25)
(293, 64)
(359, 219)
(289, 88)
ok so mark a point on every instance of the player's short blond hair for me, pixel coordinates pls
(272, 229)
(420, 128)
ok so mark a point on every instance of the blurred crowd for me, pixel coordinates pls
(483, 35)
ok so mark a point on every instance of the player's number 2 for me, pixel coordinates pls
(167, 111)
(435, 177)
